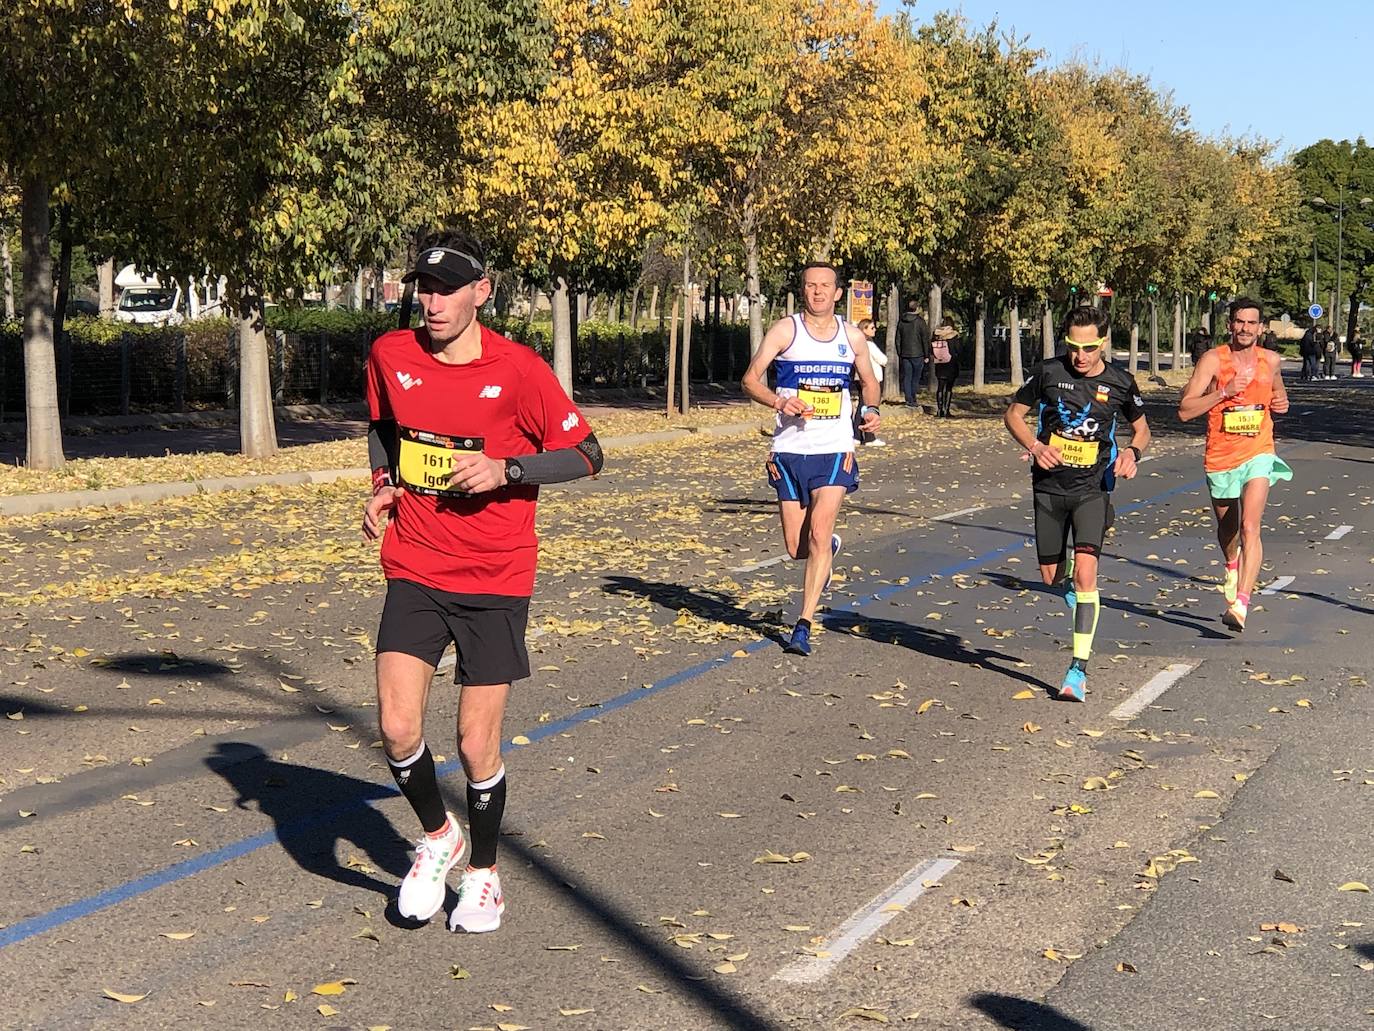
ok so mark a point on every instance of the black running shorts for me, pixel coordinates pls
(488, 630)
(1055, 513)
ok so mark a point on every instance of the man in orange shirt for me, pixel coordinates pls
(1239, 387)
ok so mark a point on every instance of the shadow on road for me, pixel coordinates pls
(722, 608)
(1173, 617)
(312, 810)
(300, 801)
(1024, 1015)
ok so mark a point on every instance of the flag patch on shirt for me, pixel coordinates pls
(1102, 394)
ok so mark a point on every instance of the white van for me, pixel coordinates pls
(146, 301)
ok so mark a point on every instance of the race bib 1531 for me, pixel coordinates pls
(1079, 453)
(824, 400)
(427, 460)
(1247, 420)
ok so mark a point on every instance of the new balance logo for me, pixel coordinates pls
(403, 778)
(571, 421)
(407, 380)
(483, 800)
(490, 391)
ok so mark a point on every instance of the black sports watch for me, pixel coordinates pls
(515, 472)
(1132, 447)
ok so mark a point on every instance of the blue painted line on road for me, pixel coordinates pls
(43, 922)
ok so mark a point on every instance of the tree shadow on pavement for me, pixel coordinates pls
(713, 605)
(311, 810)
(722, 607)
(770, 505)
(1174, 617)
(1023, 1015)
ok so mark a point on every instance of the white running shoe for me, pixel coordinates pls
(422, 892)
(876, 443)
(480, 902)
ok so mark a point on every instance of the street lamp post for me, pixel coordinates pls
(1341, 208)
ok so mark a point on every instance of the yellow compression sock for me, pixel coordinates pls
(1085, 624)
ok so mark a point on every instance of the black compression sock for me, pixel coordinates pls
(415, 777)
(486, 806)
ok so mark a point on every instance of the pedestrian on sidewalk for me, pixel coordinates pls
(945, 365)
(875, 354)
(1309, 347)
(1330, 348)
(1356, 347)
(913, 349)
(465, 425)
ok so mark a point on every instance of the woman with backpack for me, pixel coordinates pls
(1356, 347)
(945, 363)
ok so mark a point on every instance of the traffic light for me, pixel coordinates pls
(1152, 289)
(1212, 296)
(1073, 290)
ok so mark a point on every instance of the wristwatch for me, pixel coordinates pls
(515, 472)
(870, 408)
(1136, 450)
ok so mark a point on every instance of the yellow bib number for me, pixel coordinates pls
(1247, 420)
(823, 400)
(1080, 453)
(427, 460)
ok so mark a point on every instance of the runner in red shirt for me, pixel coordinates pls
(465, 425)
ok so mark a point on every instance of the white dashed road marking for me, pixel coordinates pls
(1339, 532)
(1278, 585)
(1154, 687)
(759, 565)
(866, 922)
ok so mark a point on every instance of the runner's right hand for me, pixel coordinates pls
(374, 516)
(1242, 379)
(1045, 455)
(795, 406)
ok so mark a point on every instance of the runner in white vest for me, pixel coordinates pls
(812, 465)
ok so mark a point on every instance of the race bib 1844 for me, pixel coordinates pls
(1246, 420)
(823, 399)
(1079, 453)
(427, 460)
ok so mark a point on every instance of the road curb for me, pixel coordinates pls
(144, 493)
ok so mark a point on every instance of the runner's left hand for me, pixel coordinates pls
(870, 422)
(1125, 466)
(476, 473)
(1279, 404)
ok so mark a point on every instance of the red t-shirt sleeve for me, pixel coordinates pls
(545, 414)
(378, 404)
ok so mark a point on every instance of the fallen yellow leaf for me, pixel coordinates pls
(121, 997)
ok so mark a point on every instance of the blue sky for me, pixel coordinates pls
(1291, 72)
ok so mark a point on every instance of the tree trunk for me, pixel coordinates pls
(379, 289)
(257, 423)
(980, 322)
(672, 355)
(359, 288)
(43, 423)
(892, 372)
(1352, 317)
(1046, 328)
(684, 401)
(192, 298)
(936, 306)
(1018, 374)
(584, 306)
(634, 306)
(791, 304)
(752, 286)
(107, 301)
(562, 336)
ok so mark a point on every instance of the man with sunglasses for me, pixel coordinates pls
(1239, 387)
(465, 425)
(1079, 400)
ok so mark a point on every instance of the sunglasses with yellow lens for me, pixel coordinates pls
(1086, 348)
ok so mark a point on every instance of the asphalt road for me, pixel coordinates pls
(195, 812)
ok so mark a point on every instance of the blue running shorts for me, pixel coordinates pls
(794, 477)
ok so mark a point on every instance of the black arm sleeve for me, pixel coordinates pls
(564, 464)
(381, 444)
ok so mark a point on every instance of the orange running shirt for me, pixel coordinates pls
(1242, 427)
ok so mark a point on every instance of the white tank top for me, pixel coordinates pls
(819, 372)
